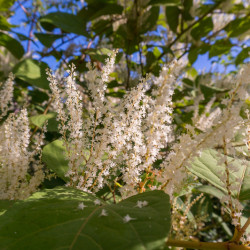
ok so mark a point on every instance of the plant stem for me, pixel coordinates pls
(207, 245)
(241, 231)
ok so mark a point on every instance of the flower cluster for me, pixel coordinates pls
(123, 139)
(6, 96)
(21, 171)
(119, 143)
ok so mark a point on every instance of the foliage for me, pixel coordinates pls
(132, 148)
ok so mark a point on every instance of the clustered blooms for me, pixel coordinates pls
(6, 96)
(20, 172)
(124, 138)
(120, 142)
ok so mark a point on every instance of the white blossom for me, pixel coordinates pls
(127, 218)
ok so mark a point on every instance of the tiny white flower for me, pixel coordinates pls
(97, 202)
(141, 204)
(81, 206)
(103, 213)
(127, 218)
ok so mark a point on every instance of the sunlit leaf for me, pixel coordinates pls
(53, 219)
(32, 72)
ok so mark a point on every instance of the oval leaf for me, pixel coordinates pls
(11, 44)
(54, 156)
(32, 72)
(65, 21)
(67, 218)
(39, 120)
(47, 39)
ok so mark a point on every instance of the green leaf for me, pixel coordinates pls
(11, 44)
(51, 219)
(4, 24)
(54, 156)
(244, 54)
(109, 9)
(39, 120)
(202, 28)
(149, 19)
(211, 190)
(238, 26)
(172, 15)
(165, 2)
(33, 72)
(193, 55)
(6, 4)
(220, 47)
(209, 91)
(99, 54)
(187, 5)
(5, 205)
(195, 51)
(206, 167)
(65, 21)
(47, 39)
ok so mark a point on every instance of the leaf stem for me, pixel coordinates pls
(207, 245)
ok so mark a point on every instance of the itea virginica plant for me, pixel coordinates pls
(123, 140)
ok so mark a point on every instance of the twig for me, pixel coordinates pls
(207, 245)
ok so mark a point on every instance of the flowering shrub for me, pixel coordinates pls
(132, 147)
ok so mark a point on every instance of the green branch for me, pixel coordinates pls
(207, 245)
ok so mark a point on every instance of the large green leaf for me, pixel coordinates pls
(47, 39)
(11, 44)
(65, 21)
(206, 167)
(5, 205)
(54, 156)
(32, 72)
(53, 219)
